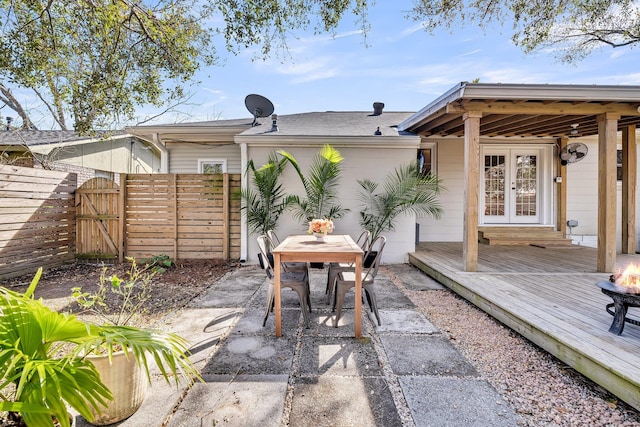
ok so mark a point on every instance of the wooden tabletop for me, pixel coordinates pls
(305, 247)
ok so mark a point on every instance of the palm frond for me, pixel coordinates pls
(320, 184)
(265, 200)
(46, 380)
(403, 191)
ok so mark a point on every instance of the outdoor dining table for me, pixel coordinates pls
(306, 248)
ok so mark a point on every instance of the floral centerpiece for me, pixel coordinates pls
(320, 227)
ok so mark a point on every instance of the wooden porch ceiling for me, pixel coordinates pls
(527, 118)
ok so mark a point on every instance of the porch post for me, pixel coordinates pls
(629, 173)
(471, 177)
(607, 135)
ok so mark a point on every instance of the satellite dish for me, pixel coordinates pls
(259, 106)
(573, 153)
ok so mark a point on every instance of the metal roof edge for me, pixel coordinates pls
(455, 92)
(396, 141)
(516, 91)
(552, 91)
(186, 129)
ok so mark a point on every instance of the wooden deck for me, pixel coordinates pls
(550, 297)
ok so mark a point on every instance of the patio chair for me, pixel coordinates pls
(288, 266)
(296, 280)
(347, 280)
(336, 268)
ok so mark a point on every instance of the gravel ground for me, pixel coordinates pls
(542, 389)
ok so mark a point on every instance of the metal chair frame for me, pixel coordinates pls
(296, 280)
(347, 280)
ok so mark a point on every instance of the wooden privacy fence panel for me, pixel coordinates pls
(37, 219)
(98, 208)
(185, 216)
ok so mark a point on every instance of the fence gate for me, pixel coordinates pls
(99, 211)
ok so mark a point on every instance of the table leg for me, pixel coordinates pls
(276, 290)
(358, 297)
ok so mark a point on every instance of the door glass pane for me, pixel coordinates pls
(494, 170)
(526, 181)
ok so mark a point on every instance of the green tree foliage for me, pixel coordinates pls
(574, 28)
(93, 62)
(268, 23)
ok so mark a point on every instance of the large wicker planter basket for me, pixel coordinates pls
(128, 383)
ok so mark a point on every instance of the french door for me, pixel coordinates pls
(510, 186)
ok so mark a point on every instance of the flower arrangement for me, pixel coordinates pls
(320, 226)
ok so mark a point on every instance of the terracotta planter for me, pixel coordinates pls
(127, 381)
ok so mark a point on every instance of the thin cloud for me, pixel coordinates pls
(473, 52)
(408, 31)
(214, 91)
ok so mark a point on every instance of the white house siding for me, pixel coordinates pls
(450, 155)
(184, 157)
(582, 198)
(117, 155)
(373, 162)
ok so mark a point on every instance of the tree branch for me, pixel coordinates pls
(10, 101)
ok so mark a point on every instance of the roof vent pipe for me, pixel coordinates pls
(377, 108)
(274, 123)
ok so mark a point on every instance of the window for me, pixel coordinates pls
(212, 166)
(427, 159)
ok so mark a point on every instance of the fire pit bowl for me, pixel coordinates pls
(623, 298)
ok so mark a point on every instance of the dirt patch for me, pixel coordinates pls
(170, 290)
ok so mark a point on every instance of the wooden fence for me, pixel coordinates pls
(98, 214)
(37, 219)
(185, 216)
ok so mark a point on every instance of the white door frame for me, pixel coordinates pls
(544, 208)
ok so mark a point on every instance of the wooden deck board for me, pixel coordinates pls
(550, 297)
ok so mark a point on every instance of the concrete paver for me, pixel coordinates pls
(454, 402)
(403, 373)
(339, 401)
(243, 400)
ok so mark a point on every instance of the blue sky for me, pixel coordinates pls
(402, 66)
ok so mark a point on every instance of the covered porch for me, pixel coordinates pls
(550, 297)
(500, 121)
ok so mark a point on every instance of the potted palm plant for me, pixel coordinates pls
(120, 302)
(403, 191)
(44, 363)
(265, 200)
(320, 186)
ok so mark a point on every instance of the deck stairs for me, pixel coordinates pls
(535, 236)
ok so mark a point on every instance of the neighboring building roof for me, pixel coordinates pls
(209, 131)
(331, 123)
(38, 137)
(43, 141)
(526, 110)
(314, 124)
